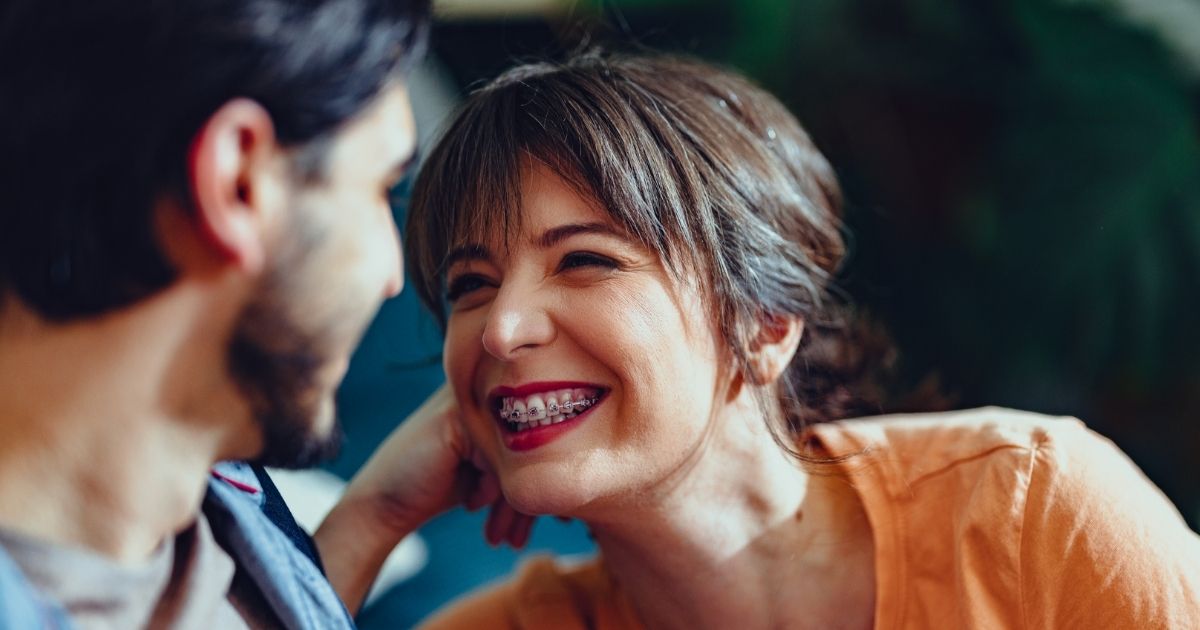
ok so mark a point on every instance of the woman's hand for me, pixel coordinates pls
(425, 467)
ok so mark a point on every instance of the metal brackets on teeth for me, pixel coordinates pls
(581, 404)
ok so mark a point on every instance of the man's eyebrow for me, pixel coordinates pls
(553, 236)
(470, 251)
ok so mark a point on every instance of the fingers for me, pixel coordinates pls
(486, 490)
(477, 484)
(519, 534)
(504, 524)
(482, 486)
(499, 522)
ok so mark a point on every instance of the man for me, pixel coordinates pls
(194, 234)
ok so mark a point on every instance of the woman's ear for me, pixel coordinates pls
(232, 168)
(773, 347)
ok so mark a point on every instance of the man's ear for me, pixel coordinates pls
(231, 170)
(774, 346)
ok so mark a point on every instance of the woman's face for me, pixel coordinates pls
(584, 373)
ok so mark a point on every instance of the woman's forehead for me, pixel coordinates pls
(544, 202)
(547, 200)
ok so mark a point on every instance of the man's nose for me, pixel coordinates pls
(394, 281)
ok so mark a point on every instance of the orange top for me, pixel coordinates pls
(988, 518)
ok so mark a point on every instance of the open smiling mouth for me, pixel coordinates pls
(534, 414)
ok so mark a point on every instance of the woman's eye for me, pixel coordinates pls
(463, 285)
(575, 260)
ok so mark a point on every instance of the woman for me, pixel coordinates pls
(630, 256)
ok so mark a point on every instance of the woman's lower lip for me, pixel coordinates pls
(530, 439)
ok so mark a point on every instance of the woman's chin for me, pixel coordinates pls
(534, 493)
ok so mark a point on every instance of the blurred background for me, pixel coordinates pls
(1023, 186)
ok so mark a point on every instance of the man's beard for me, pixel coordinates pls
(277, 363)
(276, 366)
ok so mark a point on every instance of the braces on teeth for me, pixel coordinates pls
(553, 409)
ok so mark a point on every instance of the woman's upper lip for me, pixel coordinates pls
(537, 387)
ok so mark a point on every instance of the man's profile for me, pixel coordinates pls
(194, 234)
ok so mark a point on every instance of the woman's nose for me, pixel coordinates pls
(517, 323)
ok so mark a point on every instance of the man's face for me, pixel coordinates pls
(329, 267)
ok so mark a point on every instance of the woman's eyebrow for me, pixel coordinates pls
(553, 236)
(548, 239)
(470, 251)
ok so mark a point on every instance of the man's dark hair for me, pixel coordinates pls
(100, 101)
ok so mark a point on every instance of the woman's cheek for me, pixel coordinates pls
(460, 359)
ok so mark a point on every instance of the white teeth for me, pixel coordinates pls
(536, 407)
(546, 408)
(573, 406)
(541, 405)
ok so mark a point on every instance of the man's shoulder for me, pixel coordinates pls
(250, 484)
(252, 523)
(21, 606)
(240, 476)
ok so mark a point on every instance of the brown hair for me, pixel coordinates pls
(698, 164)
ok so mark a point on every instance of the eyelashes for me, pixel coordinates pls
(575, 260)
(468, 283)
(463, 285)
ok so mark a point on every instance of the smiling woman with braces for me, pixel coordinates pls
(667, 234)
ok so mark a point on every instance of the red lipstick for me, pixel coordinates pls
(534, 437)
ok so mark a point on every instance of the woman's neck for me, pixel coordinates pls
(745, 539)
